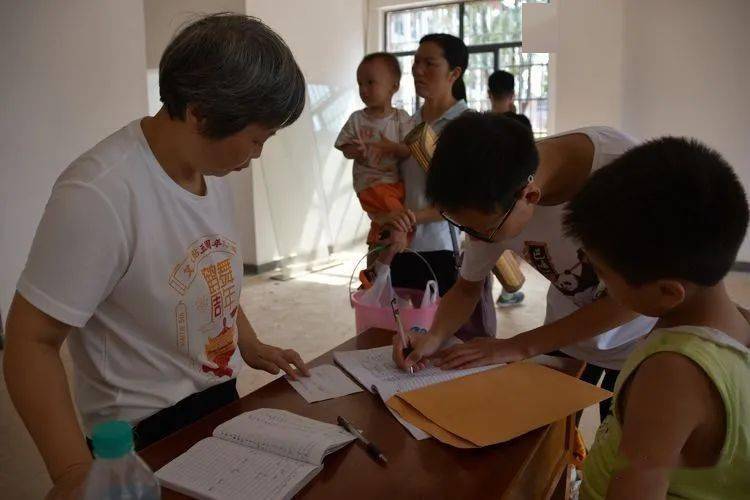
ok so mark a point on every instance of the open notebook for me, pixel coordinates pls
(376, 371)
(261, 454)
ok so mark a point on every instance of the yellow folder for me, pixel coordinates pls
(496, 405)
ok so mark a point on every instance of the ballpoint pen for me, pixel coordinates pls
(372, 450)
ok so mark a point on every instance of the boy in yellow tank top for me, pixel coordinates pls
(662, 225)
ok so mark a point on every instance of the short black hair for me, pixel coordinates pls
(671, 208)
(501, 84)
(480, 162)
(390, 61)
(235, 71)
(520, 118)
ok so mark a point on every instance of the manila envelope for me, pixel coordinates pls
(496, 405)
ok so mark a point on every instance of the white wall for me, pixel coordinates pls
(301, 186)
(165, 17)
(72, 73)
(686, 73)
(586, 72)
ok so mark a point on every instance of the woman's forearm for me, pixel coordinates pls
(401, 151)
(39, 390)
(38, 387)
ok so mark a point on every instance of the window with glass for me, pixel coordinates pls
(491, 29)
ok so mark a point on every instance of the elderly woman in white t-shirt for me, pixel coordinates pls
(136, 263)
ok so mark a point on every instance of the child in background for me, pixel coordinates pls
(372, 137)
(662, 225)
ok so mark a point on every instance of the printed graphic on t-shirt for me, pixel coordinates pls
(536, 253)
(579, 281)
(214, 302)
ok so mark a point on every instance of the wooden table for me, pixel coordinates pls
(527, 467)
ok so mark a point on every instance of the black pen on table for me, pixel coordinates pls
(372, 450)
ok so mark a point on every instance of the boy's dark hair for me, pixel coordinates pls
(480, 162)
(520, 118)
(235, 71)
(390, 61)
(670, 208)
(501, 84)
(457, 55)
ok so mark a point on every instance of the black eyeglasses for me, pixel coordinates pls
(480, 236)
(476, 234)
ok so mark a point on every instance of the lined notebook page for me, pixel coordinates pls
(217, 469)
(286, 434)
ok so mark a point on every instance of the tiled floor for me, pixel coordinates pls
(310, 314)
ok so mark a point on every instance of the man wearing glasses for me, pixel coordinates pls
(492, 182)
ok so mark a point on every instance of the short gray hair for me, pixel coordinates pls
(234, 70)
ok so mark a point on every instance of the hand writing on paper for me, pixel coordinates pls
(479, 352)
(422, 347)
(270, 359)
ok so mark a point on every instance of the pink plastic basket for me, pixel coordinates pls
(367, 316)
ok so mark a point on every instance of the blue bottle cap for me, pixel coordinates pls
(112, 439)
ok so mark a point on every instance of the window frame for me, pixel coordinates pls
(473, 49)
(493, 48)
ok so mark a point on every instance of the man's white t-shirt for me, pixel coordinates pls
(558, 258)
(149, 275)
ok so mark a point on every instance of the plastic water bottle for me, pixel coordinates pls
(117, 472)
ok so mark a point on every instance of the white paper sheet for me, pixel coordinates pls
(324, 382)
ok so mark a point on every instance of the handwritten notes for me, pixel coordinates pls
(216, 469)
(284, 433)
(262, 454)
(324, 382)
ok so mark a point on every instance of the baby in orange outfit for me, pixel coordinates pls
(373, 136)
